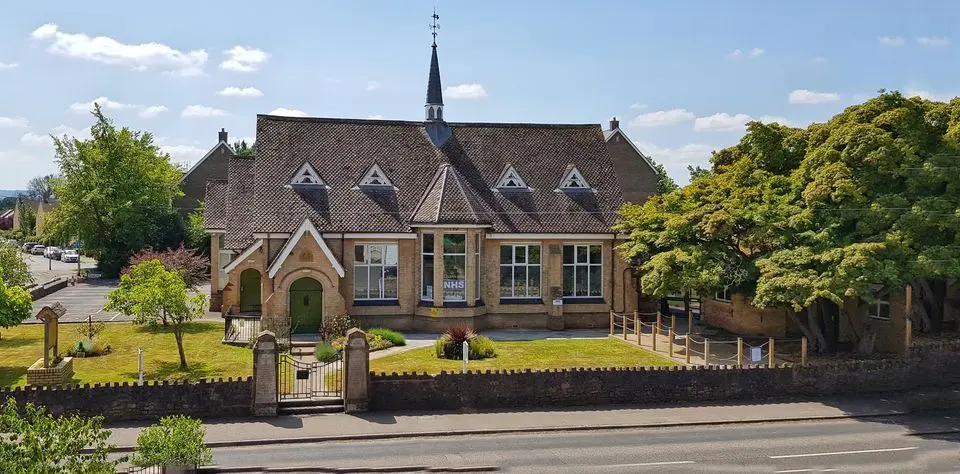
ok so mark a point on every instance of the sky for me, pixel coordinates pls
(683, 77)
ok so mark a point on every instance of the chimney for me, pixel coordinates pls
(222, 136)
(614, 124)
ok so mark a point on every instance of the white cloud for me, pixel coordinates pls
(10, 122)
(80, 133)
(35, 140)
(372, 86)
(776, 119)
(107, 50)
(753, 53)
(639, 106)
(153, 110)
(933, 40)
(819, 60)
(662, 117)
(202, 111)
(185, 154)
(287, 112)
(375, 117)
(466, 91)
(929, 95)
(8, 66)
(721, 122)
(891, 40)
(105, 103)
(243, 59)
(240, 92)
(676, 160)
(804, 96)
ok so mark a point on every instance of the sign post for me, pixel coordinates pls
(139, 366)
(466, 355)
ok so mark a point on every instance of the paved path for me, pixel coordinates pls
(412, 423)
(845, 446)
(44, 269)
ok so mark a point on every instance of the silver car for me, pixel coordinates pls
(70, 256)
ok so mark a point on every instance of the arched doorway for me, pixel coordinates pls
(250, 291)
(306, 306)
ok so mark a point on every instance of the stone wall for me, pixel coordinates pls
(740, 317)
(205, 399)
(930, 365)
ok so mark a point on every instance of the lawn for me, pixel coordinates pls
(21, 346)
(540, 354)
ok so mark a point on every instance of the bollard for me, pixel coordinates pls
(740, 352)
(624, 319)
(908, 337)
(636, 325)
(706, 351)
(653, 337)
(689, 321)
(803, 351)
(656, 329)
(466, 355)
(140, 366)
(771, 356)
(670, 342)
(686, 347)
(673, 323)
(611, 322)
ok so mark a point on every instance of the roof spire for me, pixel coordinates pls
(433, 110)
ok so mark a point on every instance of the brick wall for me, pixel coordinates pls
(205, 399)
(930, 365)
(739, 316)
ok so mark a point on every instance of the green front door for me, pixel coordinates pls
(250, 291)
(306, 306)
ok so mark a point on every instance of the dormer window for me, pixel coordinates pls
(375, 177)
(307, 176)
(510, 179)
(573, 180)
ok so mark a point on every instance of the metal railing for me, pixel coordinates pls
(243, 329)
(304, 380)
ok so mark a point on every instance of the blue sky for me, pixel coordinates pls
(681, 76)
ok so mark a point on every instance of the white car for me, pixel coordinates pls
(52, 253)
(70, 256)
(37, 250)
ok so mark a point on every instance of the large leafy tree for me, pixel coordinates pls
(152, 294)
(843, 211)
(197, 237)
(115, 191)
(34, 441)
(665, 183)
(41, 187)
(15, 304)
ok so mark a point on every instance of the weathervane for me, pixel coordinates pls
(434, 26)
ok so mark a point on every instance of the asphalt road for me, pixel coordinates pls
(44, 269)
(831, 446)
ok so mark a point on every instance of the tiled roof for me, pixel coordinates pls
(434, 89)
(342, 150)
(449, 200)
(215, 214)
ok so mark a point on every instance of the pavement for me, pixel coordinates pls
(385, 425)
(44, 269)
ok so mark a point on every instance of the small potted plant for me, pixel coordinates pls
(175, 444)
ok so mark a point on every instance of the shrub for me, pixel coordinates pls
(176, 440)
(325, 352)
(81, 348)
(336, 326)
(394, 337)
(450, 344)
(481, 347)
(374, 342)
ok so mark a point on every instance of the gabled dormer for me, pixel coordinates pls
(510, 180)
(573, 180)
(307, 176)
(375, 178)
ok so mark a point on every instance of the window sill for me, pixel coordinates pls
(569, 300)
(376, 302)
(521, 301)
(456, 304)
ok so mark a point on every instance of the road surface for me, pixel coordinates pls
(830, 446)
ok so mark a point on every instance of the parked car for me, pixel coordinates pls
(70, 256)
(27, 246)
(52, 253)
(37, 249)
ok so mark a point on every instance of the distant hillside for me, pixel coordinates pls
(10, 193)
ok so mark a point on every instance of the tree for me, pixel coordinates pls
(14, 270)
(15, 304)
(34, 441)
(152, 294)
(697, 172)
(197, 236)
(8, 203)
(188, 263)
(241, 148)
(176, 440)
(28, 219)
(41, 187)
(115, 192)
(665, 183)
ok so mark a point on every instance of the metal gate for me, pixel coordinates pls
(305, 380)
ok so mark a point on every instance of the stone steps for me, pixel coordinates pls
(310, 406)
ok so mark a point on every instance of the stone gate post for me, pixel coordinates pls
(356, 371)
(265, 360)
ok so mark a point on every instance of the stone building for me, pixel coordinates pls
(40, 207)
(213, 165)
(424, 224)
